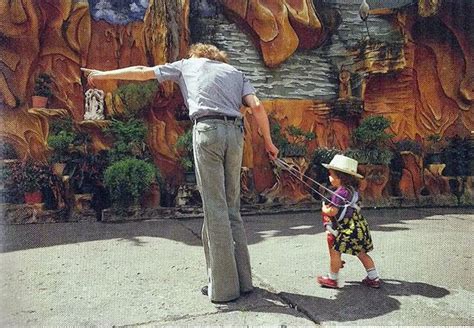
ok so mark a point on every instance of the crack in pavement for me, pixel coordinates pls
(266, 286)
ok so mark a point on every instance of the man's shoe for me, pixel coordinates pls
(325, 281)
(373, 283)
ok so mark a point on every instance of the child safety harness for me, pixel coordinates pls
(343, 207)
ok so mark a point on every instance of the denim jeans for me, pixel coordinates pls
(218, 147)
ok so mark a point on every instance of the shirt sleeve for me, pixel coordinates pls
(167, 72)
(247, 87)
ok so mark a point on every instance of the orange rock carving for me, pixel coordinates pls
(280, 26)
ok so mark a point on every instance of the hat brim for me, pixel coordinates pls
(328, 166)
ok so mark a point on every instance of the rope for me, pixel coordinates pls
(294, 172)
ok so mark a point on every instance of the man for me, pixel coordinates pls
(213, 92)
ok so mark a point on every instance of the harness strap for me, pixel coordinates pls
(352, 203)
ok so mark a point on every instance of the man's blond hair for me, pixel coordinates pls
(208, 51)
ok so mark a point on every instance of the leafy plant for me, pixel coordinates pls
(320, 156)
(291, 141)
(30, 176)
(137, 96)
(127, 180)
(459, 157)
(409, 145)
(129, 139)
(375, 156)
(60, 144)
(369, 141)
(184, 145)
(435, 143)
(43, 85)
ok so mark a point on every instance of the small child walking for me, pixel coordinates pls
(347, 230)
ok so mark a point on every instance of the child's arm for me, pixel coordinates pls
(328, 218)
(329, 210)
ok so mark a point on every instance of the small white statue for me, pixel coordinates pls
(94, 105)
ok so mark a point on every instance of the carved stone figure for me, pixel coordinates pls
(94, 105)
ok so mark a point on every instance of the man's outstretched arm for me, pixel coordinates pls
(137, 73)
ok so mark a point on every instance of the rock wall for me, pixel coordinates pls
(412, 64)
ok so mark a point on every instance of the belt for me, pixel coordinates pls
(216, 117)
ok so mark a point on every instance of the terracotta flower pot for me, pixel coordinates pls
(34, 197)
(39, 101)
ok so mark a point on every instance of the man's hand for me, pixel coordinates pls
(272, 150)
(91, 75)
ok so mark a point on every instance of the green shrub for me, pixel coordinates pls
(60, 144)
(128, 179)
(128, 138)
(137, 96)
(292, 142)
(409, 145)
(43, 85)
(459, 157)
(184, 145)
(371, 132)
(322, 156)
(30, 176)
(375, 156)
(369, 141)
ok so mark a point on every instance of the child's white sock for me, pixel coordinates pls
(372, 273)
(333, 275)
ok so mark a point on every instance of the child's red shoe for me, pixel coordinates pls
(373, 283)
(325, 281)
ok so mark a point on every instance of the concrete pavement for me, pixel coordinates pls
(145, 274)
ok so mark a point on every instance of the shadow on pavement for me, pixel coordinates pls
(259, 228)
(355, 301)
(352, 302)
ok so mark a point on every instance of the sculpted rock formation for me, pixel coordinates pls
(279, 26)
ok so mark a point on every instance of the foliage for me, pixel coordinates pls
(129, 139)
(370, 141)
(375, 156)
(184, 145)
(371, 132)
(60, 144)
(409, 145)
(322, 156)
(7, 151)
(459, 157)
(137, 96)
(61, 137)
(435, 144)
(127, 180)
(30, 176)
(43, 85)
(292, 141)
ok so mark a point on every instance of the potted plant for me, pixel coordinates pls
(42, 91)
(60, 144)
(184, 146)
(370, 148)
(433, 159)
(292, 141)
(127, 180)
(30, 178)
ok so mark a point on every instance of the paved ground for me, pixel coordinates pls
(149, 273)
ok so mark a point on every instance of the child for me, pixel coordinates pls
(348, 231)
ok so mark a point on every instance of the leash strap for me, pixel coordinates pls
(294, 172)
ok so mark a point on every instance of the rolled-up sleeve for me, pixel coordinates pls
(248, 88)
(166, 72)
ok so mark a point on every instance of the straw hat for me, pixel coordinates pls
(344, 164)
